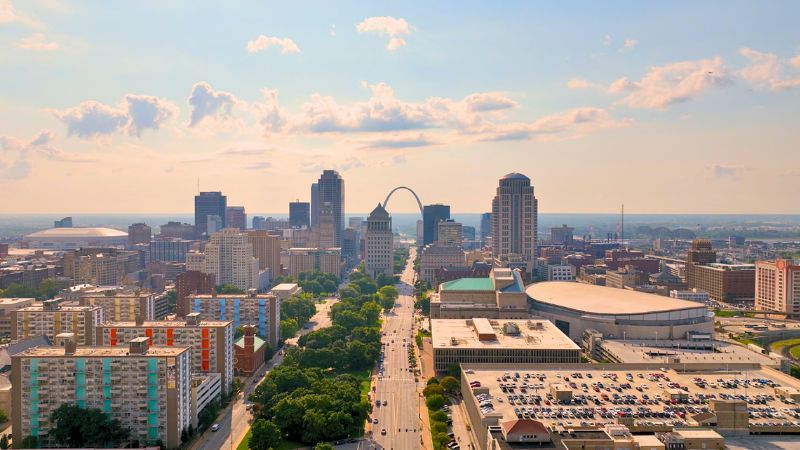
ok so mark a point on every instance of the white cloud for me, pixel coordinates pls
(15, 154)
(607, 40)
(333, 30)
(723, 171)
(264, 42)
(579, 83)
(135, 114)
(9, 14)
(208, 103)
(37, 42)
(672, 83)
(489, 101)
(399, 141)
(566, 125)
(387, 26)
(767, 70)
(629, 45)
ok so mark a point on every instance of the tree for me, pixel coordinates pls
(78, 427)
(349, 291)
(30, 442)
(228, 289)
(450, 384)
(236, 385)
(172, 300)
(288, 328)
(323, 446)
(384, 280)
(454, 370)
(440, 440)
(301, 309)
(433, 389)
(389, 291)
(439, 416)
(3, 416)
(387, 303)
(432, 380)
(434, 402)
(438, 427)
(4, 441)
(265, 435)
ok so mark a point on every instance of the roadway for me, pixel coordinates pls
(237, 413)
(400, 417)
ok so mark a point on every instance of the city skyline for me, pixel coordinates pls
(685, 115)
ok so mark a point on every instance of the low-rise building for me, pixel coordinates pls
(437, 256)
(326, 260)
(560, 272)
(501, 295)
(729, 283)
(250, 351)
(285, 290)
(693, 295)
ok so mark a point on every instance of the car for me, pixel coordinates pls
(383, 431)
(215, 427)
(375, 420)
(385, 403)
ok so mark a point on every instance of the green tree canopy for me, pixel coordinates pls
(228, 289)
(450, 384)
(265, 435)
(78, 427)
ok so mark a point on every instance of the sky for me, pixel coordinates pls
(667, 107)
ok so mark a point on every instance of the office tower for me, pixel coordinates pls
(449, 232)
(701, 252)
(122, 306)
(211, 341)
(170, 250)
(149, 390)
(431, 216)
(267, 249)
(561, 235)
(379, 252)
(486, 226)
(66, 222)
(514, 218)
(139, 233)
(176, 230)
(314, 212)
(215, 223)
(208, 204)
(331, 190)
(229, 256)
(326, 227)
(191, 282)
(778, 286)
(258, 223)
(468, 233)
(299, 214)
(50, 319)
(260, 310)
(350, 246)
(235, 217)
(326, 260)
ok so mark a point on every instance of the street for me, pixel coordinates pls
(400, 416)
(237, 411)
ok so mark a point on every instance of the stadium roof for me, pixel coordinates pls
(469, 284)
(603, 300)
(80, 232)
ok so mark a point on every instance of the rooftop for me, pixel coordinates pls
(78, 233)
(166, 324)
(603, 300)
(468, 284)
(285, 287)
(461, 333)
(15, 301)
(97, 352)
(720, 352)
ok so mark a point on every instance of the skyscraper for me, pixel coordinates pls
(235, 217)
(450, 233)
(326, 227)
(331, 190)
(514, 218)
(229, 256)
(314, 212)
(208, 204)
(378, 252)
(431, 216)
(486, 226)
(299, 214)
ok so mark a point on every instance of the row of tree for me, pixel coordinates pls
(316, 283)
(296, 311)
(46, 290)
(400, 258)
(436, 393)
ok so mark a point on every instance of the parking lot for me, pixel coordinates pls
(654, 397)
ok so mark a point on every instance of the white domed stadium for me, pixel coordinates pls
(74, 238)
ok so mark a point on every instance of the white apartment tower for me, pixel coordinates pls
(229, 256)
(514, 218)
(378, 252)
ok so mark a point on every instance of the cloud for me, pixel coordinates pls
(387, 26)
(37, 42)
(767, 70)
(489, 101)
(244, 151)
(722, 171)
(399, 142)
(607, 40)
(9, 14)
(333, 31)
(135, 114)
(16, 154)
(259, 166)
(579, 83)
(566, 125)
(672, 83)
(264, 42)
(629, 45)
(208, 103)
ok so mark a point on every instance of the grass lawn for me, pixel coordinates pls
(284, 445)
(719, 313)
(778, 346)
(795, 351)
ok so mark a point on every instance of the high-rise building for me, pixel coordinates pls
(331, 190)
(258, 223)
(211, 341)
(420, 232)
(514, 219)
(314, 212)
(468, 232)
(299, 214)
(431, 216)
(51, 319)
(169, 250)
(195, 260)
(561, 235)
(235, 217)
(191, 282)
(326, 260)
(350, 246)
(122, 306)
(267, 249)
(486, 226)
(701, 252)
(176, 230)
(100, 266)
(229, 256)
(139, 233)
(260, 310)
(449, 232)
(208, 204)
(778, 286)
(379, 251)
(66, 222)
(326, 226)
(215, 224)
(729, 283)
(149, 390)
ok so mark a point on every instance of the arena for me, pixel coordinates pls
(617, 313)
(74, 238)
